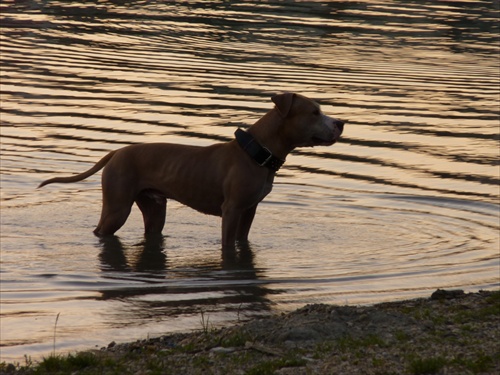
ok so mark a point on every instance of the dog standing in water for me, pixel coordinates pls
(225, 179)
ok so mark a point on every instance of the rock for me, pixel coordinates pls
(442, 294)
(299, 334)
(10, 368)
(222, 350)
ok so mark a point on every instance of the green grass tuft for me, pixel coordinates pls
(427, 366)
(270, 367)
(69, 363)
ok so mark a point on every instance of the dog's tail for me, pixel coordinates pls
(82, 176)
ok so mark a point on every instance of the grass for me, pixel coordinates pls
(427, 366)
(55, 364)
(55, 330)
(477, 363)
(349, 344)
(205, 323)
(62, 364)
(236, 339)
(271, 366)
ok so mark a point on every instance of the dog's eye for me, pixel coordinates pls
(316, 112)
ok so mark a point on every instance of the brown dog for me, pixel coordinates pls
(226, 179)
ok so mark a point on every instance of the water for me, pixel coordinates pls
(406, 203)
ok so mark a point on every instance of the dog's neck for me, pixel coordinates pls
(257, 152)
(267, 132)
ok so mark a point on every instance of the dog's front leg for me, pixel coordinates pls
(230, 219)
(244, 224)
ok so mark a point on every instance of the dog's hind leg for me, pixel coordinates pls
(112, 220)
(116, 207)
(153, 206)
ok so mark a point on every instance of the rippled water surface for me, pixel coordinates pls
(406, 203)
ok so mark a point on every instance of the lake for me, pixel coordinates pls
(406, 202)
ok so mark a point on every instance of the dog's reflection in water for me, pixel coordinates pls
(150, 255)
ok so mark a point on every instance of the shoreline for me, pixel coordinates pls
(451, 332)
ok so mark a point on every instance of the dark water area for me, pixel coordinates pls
(406, 202)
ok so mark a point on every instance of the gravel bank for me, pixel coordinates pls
(449, 333)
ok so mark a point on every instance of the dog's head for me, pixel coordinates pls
(303, 122)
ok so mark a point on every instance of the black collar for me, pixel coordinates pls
(257, 152)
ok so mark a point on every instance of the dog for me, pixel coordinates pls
(226, 179)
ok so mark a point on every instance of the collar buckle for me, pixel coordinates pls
(265, 149)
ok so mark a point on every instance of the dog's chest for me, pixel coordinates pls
(267, 187)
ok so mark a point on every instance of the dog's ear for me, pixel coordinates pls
(283, 103)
